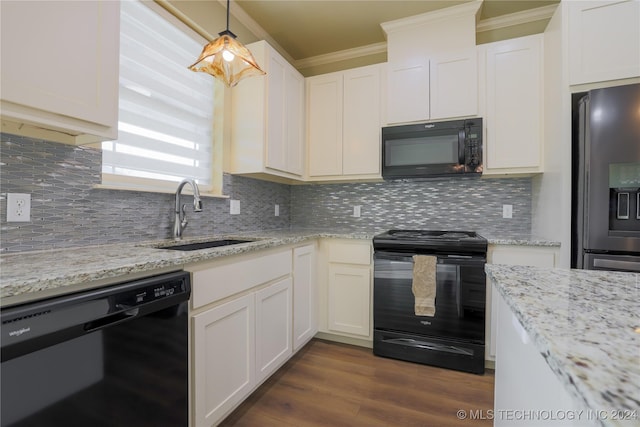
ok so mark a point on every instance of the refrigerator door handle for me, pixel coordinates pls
(611, 264)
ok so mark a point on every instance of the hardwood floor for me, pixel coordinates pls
(331, 384)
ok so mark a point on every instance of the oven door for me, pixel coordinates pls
(460, 297)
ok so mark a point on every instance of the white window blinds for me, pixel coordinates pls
(165, 124)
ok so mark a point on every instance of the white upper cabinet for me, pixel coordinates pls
(344, 124)
(604, 40)
(60, 69)
(324, 124)
(454, 84)
(408, 91)
(361, 125)
(432, 65)
(267, 119)
(512, 75)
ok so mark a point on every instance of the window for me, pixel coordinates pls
(166, 112)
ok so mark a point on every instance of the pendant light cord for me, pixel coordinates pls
(228, 9)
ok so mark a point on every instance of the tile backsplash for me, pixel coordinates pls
(67, 211)
(439, 204)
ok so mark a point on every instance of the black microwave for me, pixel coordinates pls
(432, 149)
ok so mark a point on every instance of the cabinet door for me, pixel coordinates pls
(224, 358)
(514, 97)
(361, 125)
(408, 91)
(454, 84)
(294, 123)
(273, 327)
(304, 296)
(62, 58)
(349, 299)
(324, 126)
(276, 114)
(604, 40)
(513, 255)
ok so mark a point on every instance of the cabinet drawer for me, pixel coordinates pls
(350, 253)
(219, 282)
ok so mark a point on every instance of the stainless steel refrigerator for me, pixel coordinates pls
(606, 180)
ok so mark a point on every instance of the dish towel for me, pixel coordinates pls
(424, 285)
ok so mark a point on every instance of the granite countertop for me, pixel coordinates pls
(31, 275)
(586, 324)
(520, 240)
(36, 274)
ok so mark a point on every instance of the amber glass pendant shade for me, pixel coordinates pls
(227, 59)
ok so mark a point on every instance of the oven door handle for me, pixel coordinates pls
(393, 257)
(425, 345)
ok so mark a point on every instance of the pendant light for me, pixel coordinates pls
(227, 59)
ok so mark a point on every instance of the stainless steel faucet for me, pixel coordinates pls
(180, 221)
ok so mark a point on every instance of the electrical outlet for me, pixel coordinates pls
(507, 211)
(235, 207)
(276, 210)
(18, 207)
(357, 211)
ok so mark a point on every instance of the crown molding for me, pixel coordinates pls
(341, 55)
(464, 9)
(509, 20)
(517, 18)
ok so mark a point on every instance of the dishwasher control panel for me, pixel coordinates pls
(152, 292)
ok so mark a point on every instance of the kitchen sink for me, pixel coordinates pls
(206, 245)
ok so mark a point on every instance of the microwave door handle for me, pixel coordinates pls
(461, 138)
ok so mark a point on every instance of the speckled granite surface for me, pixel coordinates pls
(585, 324)
(520, 240)
(43, 273)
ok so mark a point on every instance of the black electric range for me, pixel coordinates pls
(453, 335)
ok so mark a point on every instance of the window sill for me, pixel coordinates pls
(147, 189)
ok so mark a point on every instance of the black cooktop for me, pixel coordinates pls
(450, 241)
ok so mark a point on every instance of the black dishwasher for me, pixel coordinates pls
(114, 356)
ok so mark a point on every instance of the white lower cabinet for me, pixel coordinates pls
(273, 327)
(536, 256)
(349, 299)
(305, 324)
(224, 358)
(345, 279)
(242, 324)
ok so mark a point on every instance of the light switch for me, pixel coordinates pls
(507, 211)
(356, 211)
(235, 207)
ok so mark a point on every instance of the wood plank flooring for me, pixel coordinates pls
(331, 384)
